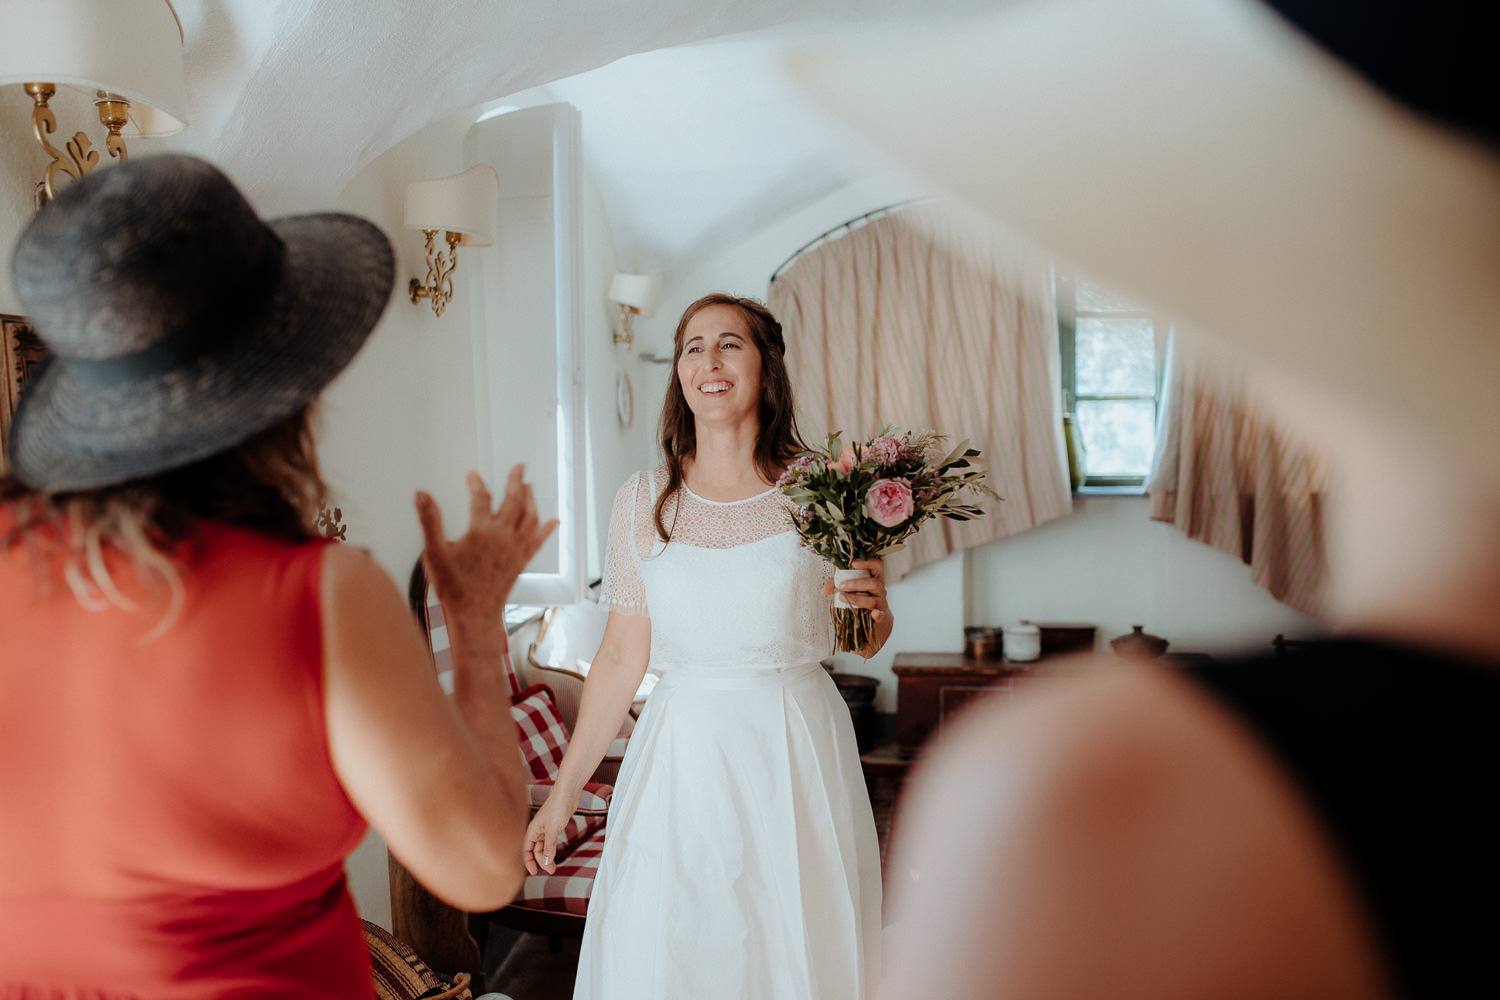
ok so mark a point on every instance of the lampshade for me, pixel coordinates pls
(639, 291)
(132, 48)
(465, 204)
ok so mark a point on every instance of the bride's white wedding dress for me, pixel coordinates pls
(740, 859)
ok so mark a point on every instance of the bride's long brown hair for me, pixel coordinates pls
(777, 441)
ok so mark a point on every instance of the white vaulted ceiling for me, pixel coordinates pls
(690, 144)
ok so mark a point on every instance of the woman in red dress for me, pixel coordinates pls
(202, 704)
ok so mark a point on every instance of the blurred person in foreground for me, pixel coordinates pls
(1315, 186)
(202, 704)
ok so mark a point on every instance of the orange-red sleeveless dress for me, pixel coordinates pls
(170, 821)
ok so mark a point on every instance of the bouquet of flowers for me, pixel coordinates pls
(864, 500)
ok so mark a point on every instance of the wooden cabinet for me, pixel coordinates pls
(933, 687)
(930, 688)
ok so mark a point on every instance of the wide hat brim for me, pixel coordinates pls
(335, 282)
(1204, 156)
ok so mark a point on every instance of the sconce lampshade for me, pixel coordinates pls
(132, 48)
(465, 204)
(638, 291)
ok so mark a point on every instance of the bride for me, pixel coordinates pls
(741, 859)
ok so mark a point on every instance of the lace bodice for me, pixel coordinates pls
(733, 587)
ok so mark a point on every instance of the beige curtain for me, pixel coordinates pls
(1227, 475)
(913, 322)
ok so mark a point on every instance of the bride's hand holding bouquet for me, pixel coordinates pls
(859, 502)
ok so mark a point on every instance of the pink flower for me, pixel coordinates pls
(846, 462)
(886, 450)
(889, 502)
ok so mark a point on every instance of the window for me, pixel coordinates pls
(528, 344)
(1112, 352)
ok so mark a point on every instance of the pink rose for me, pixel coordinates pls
(889, 502)
(886, 450)
(846, 462)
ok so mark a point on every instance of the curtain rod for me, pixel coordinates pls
(841, 227)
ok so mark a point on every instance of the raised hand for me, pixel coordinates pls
(474, 574)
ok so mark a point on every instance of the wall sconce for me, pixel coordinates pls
(126, 53)
(636, 295)
(463, 207)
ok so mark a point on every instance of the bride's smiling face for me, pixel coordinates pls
(720, 367)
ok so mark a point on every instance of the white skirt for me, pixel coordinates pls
(740, 856)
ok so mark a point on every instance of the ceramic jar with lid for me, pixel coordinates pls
(1023, 642)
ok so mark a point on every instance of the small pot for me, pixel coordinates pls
(1023, 642)
(1138, 644)
(982, 642)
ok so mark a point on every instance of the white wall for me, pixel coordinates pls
(1106, 564)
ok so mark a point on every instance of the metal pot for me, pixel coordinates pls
(982, 642)
(1138, 644)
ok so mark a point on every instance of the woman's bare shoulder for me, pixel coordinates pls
(1114, 831)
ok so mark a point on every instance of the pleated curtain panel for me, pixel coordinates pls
(1229, 475)
(914, 322)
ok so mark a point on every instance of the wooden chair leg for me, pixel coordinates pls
(437, 932)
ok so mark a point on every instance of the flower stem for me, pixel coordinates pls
(853, 629)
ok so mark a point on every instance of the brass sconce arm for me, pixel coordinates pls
(114, 115)
(440, 266)
(627, 324)
(76, 159)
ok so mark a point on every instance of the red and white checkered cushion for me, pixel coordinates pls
(593, 810)
(544, 738)
(579, 829)
(442, 654)
(568, 890)
(594, 800)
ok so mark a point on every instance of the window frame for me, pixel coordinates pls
(1065, 297)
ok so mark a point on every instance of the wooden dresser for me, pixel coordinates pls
(930, 687)
(933, 687)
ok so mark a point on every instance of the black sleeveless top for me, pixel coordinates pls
(1398, 752)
